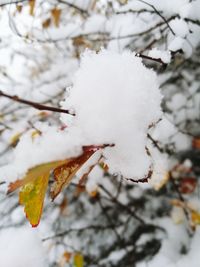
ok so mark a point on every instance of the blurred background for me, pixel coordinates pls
(111, 222)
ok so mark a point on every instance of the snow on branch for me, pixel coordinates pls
(115, 99)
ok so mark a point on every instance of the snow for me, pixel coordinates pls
(190, 10)
(169, 255)
(51, 145)
(21, 247)
(94, 179)
(180, 43)
(84, 4)
(179, 100)
(104, 90)
(96, 23)
(169, 7)
(165, 56)
(180, 27)
(9, 1)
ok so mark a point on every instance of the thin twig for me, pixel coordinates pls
(13, 2)
(122, 205)
(181, 198)
(35, 104)
(158, 60)
(159, 14)
(81, 10)
(79, 230)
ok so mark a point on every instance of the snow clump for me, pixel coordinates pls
(116, 99)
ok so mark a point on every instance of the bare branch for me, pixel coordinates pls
(35, 104)
(159, 14)
(158, 60)
(13, 2)
(83, 11)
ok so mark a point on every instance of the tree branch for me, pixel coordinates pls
(159, 14)
(13, 2)
(158, 60)
(81, 10)
(35, 104)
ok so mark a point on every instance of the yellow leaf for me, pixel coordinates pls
(31, 196)
(14, 139)
(44, 114)
(67, 255)
(104, 166)
(159, 179)
(65, 259)
(1, 117)
(63, 206)
(64, 173)
(32, 7)
(79, 189)
(19, 8)
(32, 193)
(93, 193)
(46, 23)
(56, 16)
(35, 133)
(33, 173)
(78, 260)
(123, 2)
(78, 41)
(177, 215)
(177, 203)
(195, 216)
(34, 183)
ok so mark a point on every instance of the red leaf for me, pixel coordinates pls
(65, 173)
(187, 185)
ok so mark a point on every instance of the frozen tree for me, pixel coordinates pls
(99, 111)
